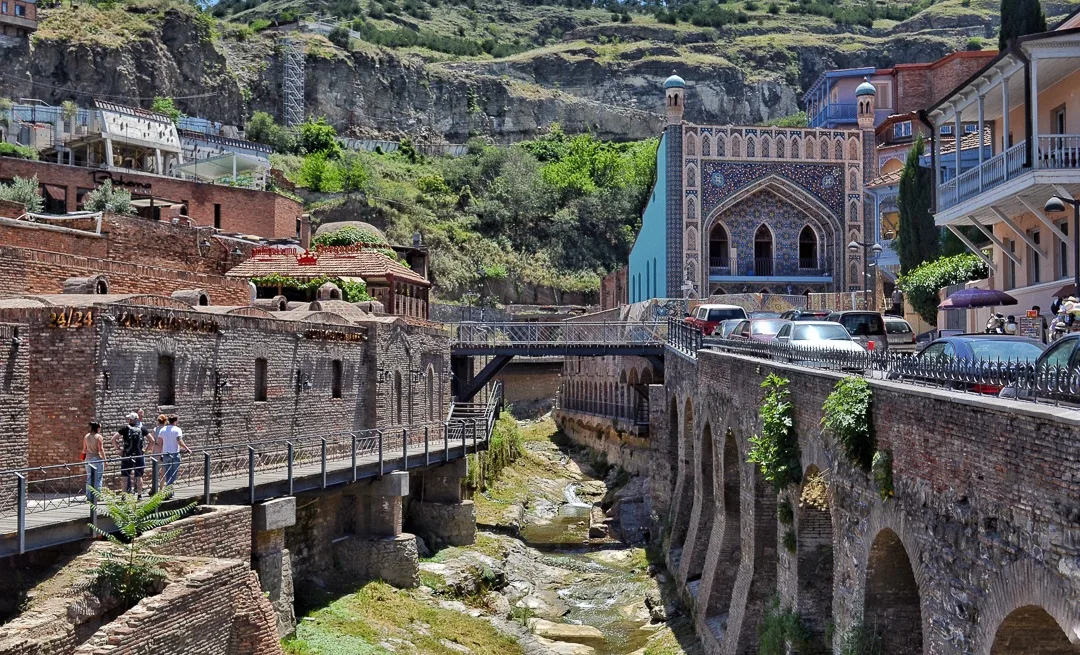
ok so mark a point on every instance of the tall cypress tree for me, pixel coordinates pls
(1018, 18)
(918, 234)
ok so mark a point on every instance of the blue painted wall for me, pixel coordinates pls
(648, 257)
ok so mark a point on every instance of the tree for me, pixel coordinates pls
(318, 136)
(918, 233)
(339, 36)
(262, 128)
(107, 199)
(130, 569)
(1019, 18)
(921, 285)
(25, 191)
(166, 106)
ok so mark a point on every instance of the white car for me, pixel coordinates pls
(824, 337)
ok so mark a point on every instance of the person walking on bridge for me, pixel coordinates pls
(93, 453)
(170, 440)
(130, 440)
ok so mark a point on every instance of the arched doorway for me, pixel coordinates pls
(719, 251)
(815, 555)
(731, 543)
(893, 609)
(1030, 629)
(706, 509)
(808, 248)
(763, 251)
(398, 407)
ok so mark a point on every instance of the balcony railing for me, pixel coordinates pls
(993, 172)
(719, 266)
(763, 266)
(1059, 151)
(836, 111)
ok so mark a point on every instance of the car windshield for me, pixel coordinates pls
(897, 327)
(725, 314)
(820, 333)
(766, 327)
(1005, 350)
(863, 324)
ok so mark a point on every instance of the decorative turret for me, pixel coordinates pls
(865, 95)
(675, 93)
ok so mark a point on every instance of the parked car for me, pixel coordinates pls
(764, 314)
(762, 330)
(819, 337)
(975, 349)
(805, 315)
(725, 328)
(707, 317)
(901, 336)
(1061, 355)
(866, 327)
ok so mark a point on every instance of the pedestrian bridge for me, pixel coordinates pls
(504, 341)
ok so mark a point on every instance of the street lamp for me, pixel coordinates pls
(874, 248)
(1056, 205)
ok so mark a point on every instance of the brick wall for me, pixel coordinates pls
(615, 289)
(919, 86)
(14, 395)
(983, 519)
(219, 531)
(24, 271)
(218, 608)
(108, 370)
(245, 211)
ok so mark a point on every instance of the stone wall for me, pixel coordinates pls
(25, 271)
(219, 531)
(983, 521)
(617, 440)
(15, 347)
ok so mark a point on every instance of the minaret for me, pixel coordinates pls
(675, 92)
(865, 99)
(865, 96)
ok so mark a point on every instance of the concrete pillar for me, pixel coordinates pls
(377, 549)
(438, 511)
(271, 560)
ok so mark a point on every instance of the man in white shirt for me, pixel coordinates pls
(170, 440)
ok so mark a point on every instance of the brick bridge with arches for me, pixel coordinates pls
(977, 553)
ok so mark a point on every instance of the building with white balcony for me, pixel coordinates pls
(1028, 100)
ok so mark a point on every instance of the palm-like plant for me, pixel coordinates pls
(131, 568)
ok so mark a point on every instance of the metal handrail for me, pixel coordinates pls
(562, 333)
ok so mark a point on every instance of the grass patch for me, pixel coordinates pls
(357, 623)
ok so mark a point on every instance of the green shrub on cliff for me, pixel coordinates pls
(25, 191)
(921, 286)
(507, 444)
(776, 449)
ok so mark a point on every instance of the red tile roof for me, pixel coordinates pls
(363, 264)
(885, 179)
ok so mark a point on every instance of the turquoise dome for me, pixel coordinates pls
(865, 89)
(674, 82)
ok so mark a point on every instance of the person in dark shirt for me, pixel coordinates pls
(130, 441)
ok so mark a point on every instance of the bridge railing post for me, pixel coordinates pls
(379, 433)
(206, 478)
(153, 475)
(427, 445)
(446, 441)
(251, 475)
(405, 448)
(354, 457)
(323, 457)
(20, 480)
(289, 464)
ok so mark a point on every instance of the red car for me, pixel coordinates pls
(759, 329)
(707, 317)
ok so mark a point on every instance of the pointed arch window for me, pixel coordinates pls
(751, 147)
(808, 248)
(719, 249)
(691, 145)
(721, 146)
(706, 146)
(691, 177)
(824, 148)
(766, 147)
(781, 148)
(838, 150)
(763, 251)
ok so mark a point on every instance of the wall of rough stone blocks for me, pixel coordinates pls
(24, 271)
(981, 513)
(14, 399)
(618, 440)
(219, 531)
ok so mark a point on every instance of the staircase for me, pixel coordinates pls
(483, 410)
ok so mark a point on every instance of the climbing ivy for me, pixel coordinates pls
(847, 415)
(776, 449)
(785, 511)
(351, 290)
(882, 469)
(860, 640)
(781, 631)
(789, 542)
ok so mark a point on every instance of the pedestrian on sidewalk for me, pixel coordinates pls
(170, 441)
(130, 440)
(93, 453)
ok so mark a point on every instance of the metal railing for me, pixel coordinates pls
(763, 266)
(1059, 151)
(562, 333)
(628, 412)
(683, 337)
(835, 111)
(719, 266)
(993, 172)
(34, 490)
(1013, 379)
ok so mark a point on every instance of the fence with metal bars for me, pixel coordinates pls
(562, 333)
(684, 337)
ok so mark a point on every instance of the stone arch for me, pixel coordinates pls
(701, 518)
(892, 605)
(736, 146)
(781, 147)
(1022, 596)
(838, 150)
(430, 393)
(721, 144)
(814, 562)
(398, 406)
(719, 247)
(691, 177)
(646, 375)
(673, 437)
(1031, 629)
(853, 149)
(764, 250)
(730, 543)
(706, 146)
(809, 247)
(684, 488)
(691, 145)
(751, 147)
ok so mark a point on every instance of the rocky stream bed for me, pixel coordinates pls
(559, 567)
